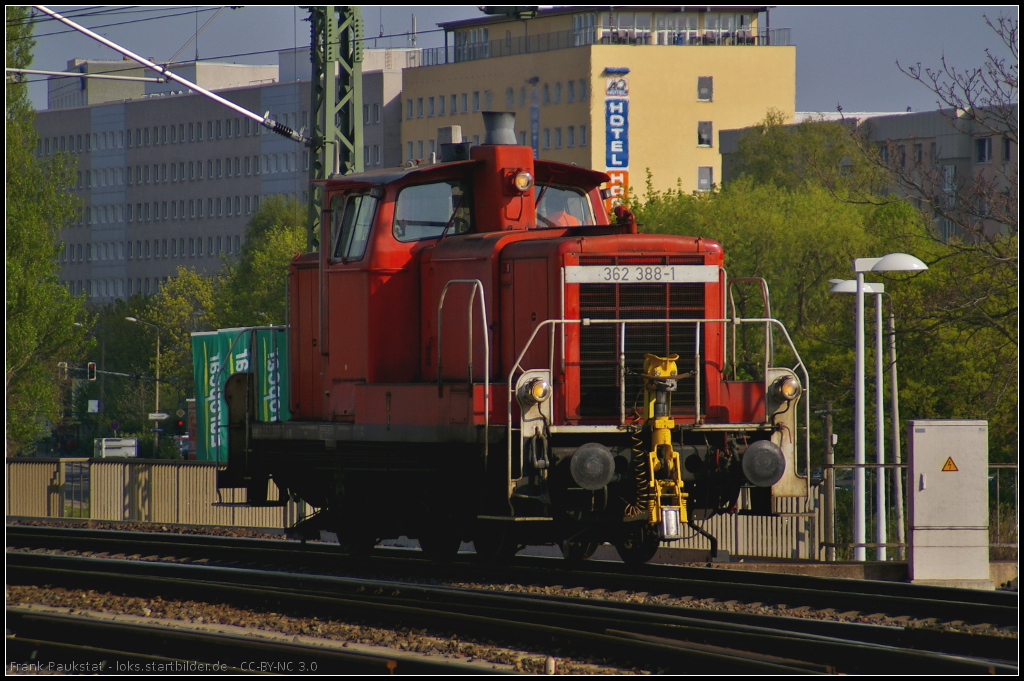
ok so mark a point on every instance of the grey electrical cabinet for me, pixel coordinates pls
(948, 481)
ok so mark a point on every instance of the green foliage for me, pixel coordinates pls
(798, 226)
(184, 305)
(121, 347)
(253, 292)
(249, 293)
(795, 238)
(41, 314)
(814, 153)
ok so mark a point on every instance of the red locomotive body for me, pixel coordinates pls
(479, 353)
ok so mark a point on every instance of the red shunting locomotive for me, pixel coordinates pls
(478, 353)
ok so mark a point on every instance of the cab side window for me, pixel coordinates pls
(426, 211)
(562, 206)
(352, 217)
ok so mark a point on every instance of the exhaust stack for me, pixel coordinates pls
(500, 127)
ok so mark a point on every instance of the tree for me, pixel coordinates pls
(253, 291)
(977, 206)
(121, 347)
(819, 153)
(794, 228)
(982, 103)
(41, 314)
(184, 305)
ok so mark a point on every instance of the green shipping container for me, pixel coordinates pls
(216, 355)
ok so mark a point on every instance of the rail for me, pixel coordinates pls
(477, 286)
(800, 367)
(580, 37)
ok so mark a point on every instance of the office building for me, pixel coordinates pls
(169, 178)
(624, 90)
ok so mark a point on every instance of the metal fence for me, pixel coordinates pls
(561, 40)
(795, 531)
(183, 492)
(153, 491)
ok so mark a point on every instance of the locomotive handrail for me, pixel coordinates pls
(767, 321)
(476, 284)
(769, 355)
(512, 372)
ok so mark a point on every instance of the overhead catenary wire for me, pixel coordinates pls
(120, 23)
(265, 120)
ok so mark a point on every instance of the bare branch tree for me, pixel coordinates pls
(962, 172)
(979, 206)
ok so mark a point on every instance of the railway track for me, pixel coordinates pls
(648, 636)
(896, 600)
(632, 636)
(64, 643)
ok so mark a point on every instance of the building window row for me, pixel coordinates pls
(552, 138)
(165, 134)
(551, 93)
(228, 206)
(211, 169)
(147, 249)
(371, 155)
(448, 105)
(371, 113)
(115, 288)
(442, 105)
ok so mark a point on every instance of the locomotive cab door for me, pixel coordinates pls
(344, 298)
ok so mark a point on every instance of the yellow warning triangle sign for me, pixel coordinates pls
(950, 466)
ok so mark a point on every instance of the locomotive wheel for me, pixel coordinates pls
(354, 542)
(495, 548)
(639, 546)
(577, 551)
(440, 545)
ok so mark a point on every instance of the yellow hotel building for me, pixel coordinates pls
(620, 89)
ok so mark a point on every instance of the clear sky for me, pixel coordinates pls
(845, 55)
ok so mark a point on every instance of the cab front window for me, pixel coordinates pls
(560, 206)
(426, 211)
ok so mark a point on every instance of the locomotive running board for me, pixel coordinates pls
(607, 428)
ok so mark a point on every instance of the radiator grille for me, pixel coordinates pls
(599, 345)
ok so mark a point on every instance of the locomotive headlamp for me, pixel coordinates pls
(537, 390)
(786, 389)
(523, 181)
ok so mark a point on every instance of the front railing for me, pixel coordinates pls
(768, 323)
(561, 40)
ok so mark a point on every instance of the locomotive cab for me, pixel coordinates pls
(477, 353)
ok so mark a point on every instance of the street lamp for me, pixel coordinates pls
(850, 286)
(894, 262)
(156, 433)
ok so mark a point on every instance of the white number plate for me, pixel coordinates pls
(642, 274)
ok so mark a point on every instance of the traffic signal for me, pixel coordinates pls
(91, 370)
(179, 426)
(62, 367)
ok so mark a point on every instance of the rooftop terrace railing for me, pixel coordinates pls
(560, 40)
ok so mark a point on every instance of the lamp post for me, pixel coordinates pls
(156, 433)
(894, 262)
(878, 290)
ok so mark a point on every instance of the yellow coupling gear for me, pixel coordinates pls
(661, 482)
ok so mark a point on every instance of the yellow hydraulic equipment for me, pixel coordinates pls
(661, 485)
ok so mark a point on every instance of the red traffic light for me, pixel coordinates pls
(92, 371)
